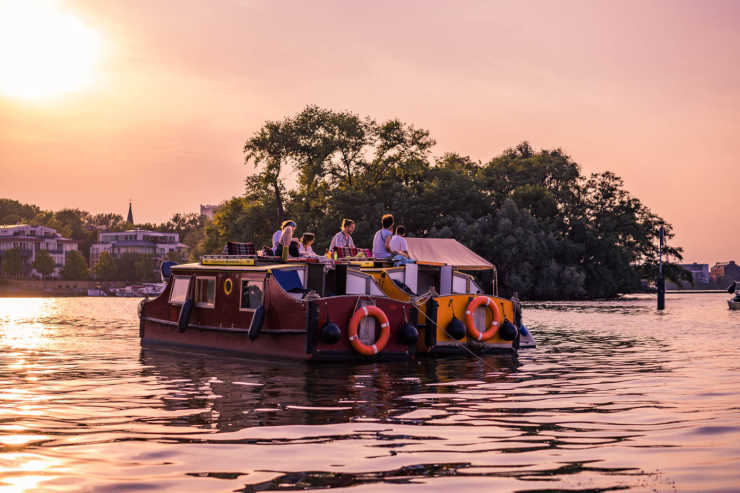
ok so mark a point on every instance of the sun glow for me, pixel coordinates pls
(44, 52)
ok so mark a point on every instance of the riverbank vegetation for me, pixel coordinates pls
(553, 231)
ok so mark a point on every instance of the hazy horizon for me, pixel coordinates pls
(648, 90)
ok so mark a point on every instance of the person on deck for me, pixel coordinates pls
(304, 247)
(382, 238)
(398, 242)
(284, 237)
(344, 237)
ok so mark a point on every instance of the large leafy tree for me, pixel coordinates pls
(552, 231)
(12, 262)
(75, 267)
(44, 263)
(105, 269)
(13, 212)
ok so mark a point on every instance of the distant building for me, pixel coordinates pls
(725, 271)
(32, 239)
(130, 217)
(208, 210)
(140, 241)
(700, 272)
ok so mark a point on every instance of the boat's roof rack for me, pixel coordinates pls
(228, 259)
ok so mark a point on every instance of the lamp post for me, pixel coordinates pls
(660, 280)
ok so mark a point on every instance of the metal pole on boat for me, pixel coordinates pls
(661, 281)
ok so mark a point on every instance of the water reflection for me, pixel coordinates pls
(228, 394)
(615, 397)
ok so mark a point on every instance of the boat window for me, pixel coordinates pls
(179, 292)
(205, 292)
(251, 295)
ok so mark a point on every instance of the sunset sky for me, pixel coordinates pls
(153, 100)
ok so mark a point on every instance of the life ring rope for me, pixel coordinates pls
(354, 324)
(495, 315)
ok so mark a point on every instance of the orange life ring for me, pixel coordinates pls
(385, 330)
(495, 312)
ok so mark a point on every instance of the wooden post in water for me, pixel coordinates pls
(660, 281)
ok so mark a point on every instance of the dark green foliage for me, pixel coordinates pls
(552, 232)
(105, 269)
(11, 263)
(129, 267)
(75, 267)
(44, 263)
(13, 212)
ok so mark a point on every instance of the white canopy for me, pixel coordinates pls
(446, 251)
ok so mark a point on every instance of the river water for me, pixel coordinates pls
(616, 396)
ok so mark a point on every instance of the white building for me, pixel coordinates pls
(30, 239)
(138, 241)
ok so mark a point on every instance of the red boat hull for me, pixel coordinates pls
(292, 328)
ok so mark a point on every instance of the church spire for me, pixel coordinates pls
(130, 218)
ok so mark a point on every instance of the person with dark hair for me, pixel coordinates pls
(382, 238)
(304, 246)
(398, 242)
(344, 237)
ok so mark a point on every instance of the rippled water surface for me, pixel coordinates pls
(615, 397)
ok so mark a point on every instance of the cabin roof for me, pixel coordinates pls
(446, 251)
(253, 268)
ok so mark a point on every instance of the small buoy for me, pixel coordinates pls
(409, 334)
(257, 320)
(456, 329)
(330, 333)
(507, 331)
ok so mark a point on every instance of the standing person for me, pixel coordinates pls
(304, 247)
(344, 237)
(382, 238)
(398, 242)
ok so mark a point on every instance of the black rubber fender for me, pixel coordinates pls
(184, 318)
(257, 320)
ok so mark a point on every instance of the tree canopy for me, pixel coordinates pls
(75, 267)
(11, 262)
(552, 231)
(44, 263)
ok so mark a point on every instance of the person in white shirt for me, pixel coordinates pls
(398, 242)
(344, 237)
(382, 238)
(304, 247)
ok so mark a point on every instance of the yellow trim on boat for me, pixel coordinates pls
(226, 260)
(456, 304)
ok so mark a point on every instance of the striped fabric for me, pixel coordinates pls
(237, 248)
(351, 252)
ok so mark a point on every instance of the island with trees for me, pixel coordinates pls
(552, 231)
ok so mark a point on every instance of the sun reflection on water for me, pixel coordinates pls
(21, 323)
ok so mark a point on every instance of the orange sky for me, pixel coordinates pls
(649, 90)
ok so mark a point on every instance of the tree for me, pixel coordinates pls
(553, 232)
(105, 269)
(12, 262)
(44, 263)
(13, 212)
(75, 267)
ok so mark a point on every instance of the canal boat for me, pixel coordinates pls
(455, 293)
(261, 306)
(734, 303)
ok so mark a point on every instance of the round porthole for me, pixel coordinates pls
(228, 286)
